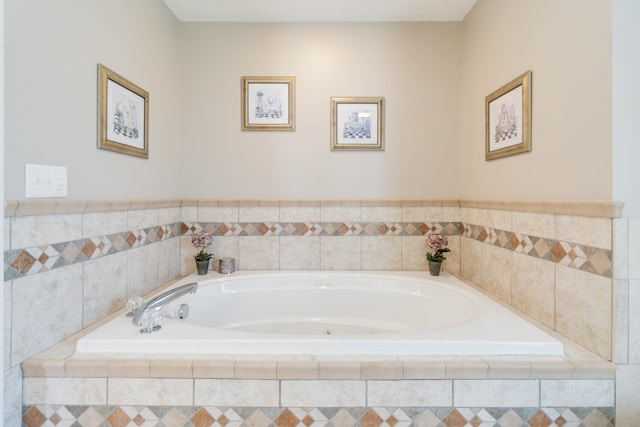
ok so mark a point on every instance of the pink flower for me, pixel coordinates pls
(201, 240)
(437, 243)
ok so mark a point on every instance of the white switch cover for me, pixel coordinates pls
(45, 181)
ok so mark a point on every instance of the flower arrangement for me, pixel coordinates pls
(201, 241)
(437, 243)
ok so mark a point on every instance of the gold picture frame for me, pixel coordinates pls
(357, 123)
(508, 119)
(268, 103)
(123, 115)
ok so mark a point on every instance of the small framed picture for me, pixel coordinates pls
(123, 115)
(508, 119)
(268, 103)
(357, 123)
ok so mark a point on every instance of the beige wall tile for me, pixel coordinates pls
(102, 223)
(169, 262)
(381, 253)
(13, 397)
(142, 270)
(423, 214)
(217, 214)
(421, 368)
(452, 263)
(340, 253)
(621, 321)
(65, 391)
(471, 259)
(534, 224)
(496, 393)
(634, 321)
(258, 214)
(533, 287)
(634, 248)
(327, 393)
(142, 218)
(28, 231)
(129, 368)
(150, 391)
(189, 214)
(451, 214)
(583, 309)
(471, 215)
(46, 309)
(104, 287)
(577, 393)
(410, 393)
(298, 369)
(497, 219)
(174, 368)
(252, 393)
(86, 368)
(256, 369)
(621, 248)
(259, 253)
(341, 213)
(584, 230)
(168, 215)
(627, 392)
(300, 214)
(496, 272)
(300, 253)
(466, 367)
(7, 233)
(381, 214)
(414, 250)
(223, 247)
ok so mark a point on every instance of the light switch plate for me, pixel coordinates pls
(43, 181)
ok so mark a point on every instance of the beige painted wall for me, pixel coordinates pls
(567, 45)
(52, 52)
(414, 66)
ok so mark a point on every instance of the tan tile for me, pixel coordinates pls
(551, 368)
(593, 369)
(418, 369)
(28, 231)
(496, 272)
(297, 370)
(381, 214)
(452, 264)
(43, 368)
(414, 249)
(259, 253)
(508, 368)
(466, 368)
(589, 231)
(451, 214)
(173, 368)
(534, 224)
(87, 368)
(213, 368)
(300, 253)
(129, 368)
(381, 370)
(340, 253)
(300, 214)
(533, 287)
(330, 370)
(583, 309)
(471, 253)
(256, 369)
(382, 253)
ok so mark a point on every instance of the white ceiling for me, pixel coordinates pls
(319, 10)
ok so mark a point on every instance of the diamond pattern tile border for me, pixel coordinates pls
(89, 416)
(27, 261)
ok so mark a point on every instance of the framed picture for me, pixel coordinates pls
(123, 115)
(357, 123)
(268, 103)
(508, 119)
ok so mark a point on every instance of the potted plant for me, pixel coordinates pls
(438, 244)
(202, 240)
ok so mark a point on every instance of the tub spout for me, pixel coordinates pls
(156, 303)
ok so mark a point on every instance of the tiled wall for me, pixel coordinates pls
(626, 232)
(76, 263)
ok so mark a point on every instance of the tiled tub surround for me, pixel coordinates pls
(370, 235)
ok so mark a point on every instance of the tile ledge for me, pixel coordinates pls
(595, 208)
(28, 207)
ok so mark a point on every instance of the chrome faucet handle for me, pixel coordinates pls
(133, 304)
(150, 322)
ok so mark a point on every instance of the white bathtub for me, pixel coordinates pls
(329, 313)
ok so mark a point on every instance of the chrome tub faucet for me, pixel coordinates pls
(157, 302)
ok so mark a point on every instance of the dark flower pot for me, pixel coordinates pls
(434, 267)
(203, 267)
